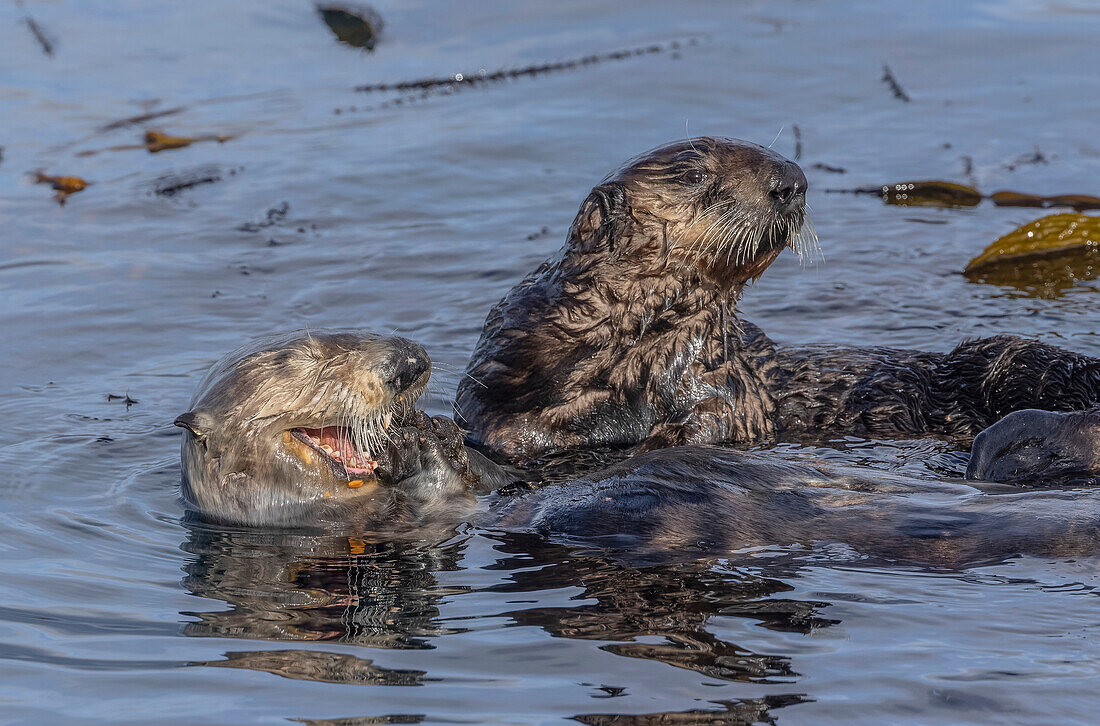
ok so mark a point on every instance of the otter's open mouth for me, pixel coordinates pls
(334, 444)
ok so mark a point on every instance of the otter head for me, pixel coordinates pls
(712, 208)
(298, 423)
(1026, 446)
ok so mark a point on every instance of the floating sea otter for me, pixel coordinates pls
(314, 427)
(627, 336)
(321, 429)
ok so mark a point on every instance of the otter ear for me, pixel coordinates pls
(602, 219)
(198, 422)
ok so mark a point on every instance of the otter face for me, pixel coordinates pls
(1026, 446)
(722, 207)
(300, 420)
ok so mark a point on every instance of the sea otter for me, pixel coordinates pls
(309, 427)
(1047, 446)
(629, 336)
(321, 429)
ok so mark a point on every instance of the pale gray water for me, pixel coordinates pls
(417, 218)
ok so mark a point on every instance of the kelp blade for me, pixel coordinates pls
(930, 194)
(1053, 235)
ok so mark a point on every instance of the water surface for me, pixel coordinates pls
(417, 217)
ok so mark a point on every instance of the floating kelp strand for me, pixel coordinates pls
(950, 194)
(483, 76)
(1080, 202)
(921, 194)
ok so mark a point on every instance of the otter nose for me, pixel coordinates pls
(787, 185)
(408, 364)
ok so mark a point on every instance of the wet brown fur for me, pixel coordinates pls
(241, 464)
(629, 336)
(619, 338)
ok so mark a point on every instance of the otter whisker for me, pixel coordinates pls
(701, 240)
(703, 244)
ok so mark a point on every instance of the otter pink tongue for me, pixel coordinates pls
(333, 441)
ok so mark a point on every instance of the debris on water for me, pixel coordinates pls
(355, 24)
(172, 183)
(1055, 235)
(797, 141)
(141, 118)
(922, 194)
(125, 398)
(271, 217)
(889, 77)
(950, 194)
(483, 76)
(63, 185)
(830, 169)
(159, 141)
(1080, 202)
(1035, 157)
(968, 169)
(1, 154)
(541, 233)
(39, 34)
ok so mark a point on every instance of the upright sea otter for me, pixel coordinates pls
(628, 336)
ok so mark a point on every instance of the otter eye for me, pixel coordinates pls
(693, 176)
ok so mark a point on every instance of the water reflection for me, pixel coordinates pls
(320, 587)
(385, 594)
(741, 712)
(1047, 278)
(672, 602)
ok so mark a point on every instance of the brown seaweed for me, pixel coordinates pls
(891, 80)
(63, 185)
(355, 24)
(141, 118)
(1080, 202)
(39, 35)
(922, 194)
(1066, 244)
(156, 141)
(172, 183)
(482, 76)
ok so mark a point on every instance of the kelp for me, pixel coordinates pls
(63, 185)
(1080, 202)
(936, 193)
(1060, 236)
(355, 24)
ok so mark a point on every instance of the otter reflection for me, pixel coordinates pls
(318, 587)
(385, 595)
(672, 601)
(734, 712)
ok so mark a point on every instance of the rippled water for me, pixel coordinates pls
(114, 607)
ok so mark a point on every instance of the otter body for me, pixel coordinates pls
(629, 335)
(623, 337)
(254, 452)
(707, 500)
(825, 391)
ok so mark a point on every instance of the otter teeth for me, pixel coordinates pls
(334, 442)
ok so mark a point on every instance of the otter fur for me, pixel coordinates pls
(629, 335)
